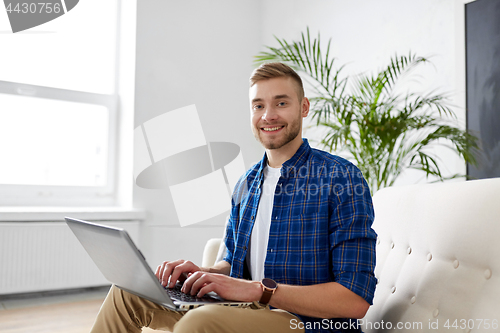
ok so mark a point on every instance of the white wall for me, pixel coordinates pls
(365, 34)
(193, 52)
(200, 52)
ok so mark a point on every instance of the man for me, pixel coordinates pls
(299, 238)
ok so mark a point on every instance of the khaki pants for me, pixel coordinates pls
(124, 312)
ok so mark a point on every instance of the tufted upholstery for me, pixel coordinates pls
(438, 258)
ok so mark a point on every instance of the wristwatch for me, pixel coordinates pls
(269, 287)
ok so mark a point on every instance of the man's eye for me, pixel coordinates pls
(282, 103)
(257, 107)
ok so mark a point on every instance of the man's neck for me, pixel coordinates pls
(276, 157)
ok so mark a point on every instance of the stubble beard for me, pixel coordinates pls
(292, 132)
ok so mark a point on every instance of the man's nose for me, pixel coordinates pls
(270, 114)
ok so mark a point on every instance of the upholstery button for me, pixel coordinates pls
(392, 245)
(435, 313)
(456, 264)
(429, 257)
(413, 300)
(409, 250)
(393, 290)
(487, 273)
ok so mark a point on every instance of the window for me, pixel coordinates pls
(59, 109)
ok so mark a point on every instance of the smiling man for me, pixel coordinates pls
(299, 238)
(277, 107)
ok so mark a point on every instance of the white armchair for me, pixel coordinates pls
(438, 258)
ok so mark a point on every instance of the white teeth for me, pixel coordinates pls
(270, 129)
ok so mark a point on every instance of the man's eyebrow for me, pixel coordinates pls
(281, 96)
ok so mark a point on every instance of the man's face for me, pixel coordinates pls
(277, 112)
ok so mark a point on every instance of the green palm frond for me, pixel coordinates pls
(381, 130)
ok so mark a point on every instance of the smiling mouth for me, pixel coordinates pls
(271, 129)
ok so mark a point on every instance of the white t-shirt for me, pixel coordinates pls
(257, 252)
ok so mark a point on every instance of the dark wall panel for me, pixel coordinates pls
(483, 83)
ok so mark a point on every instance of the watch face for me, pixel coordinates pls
(268, 283)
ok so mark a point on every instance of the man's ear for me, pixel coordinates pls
(305, 107)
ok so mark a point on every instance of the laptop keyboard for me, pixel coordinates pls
(176, 293)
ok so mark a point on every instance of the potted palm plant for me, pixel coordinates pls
(366, 119)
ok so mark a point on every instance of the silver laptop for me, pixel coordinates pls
(122, 264)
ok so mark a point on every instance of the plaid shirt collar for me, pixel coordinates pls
(290, 167)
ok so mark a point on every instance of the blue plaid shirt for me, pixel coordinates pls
(320, 226)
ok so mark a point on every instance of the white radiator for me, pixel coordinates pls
(41, 256)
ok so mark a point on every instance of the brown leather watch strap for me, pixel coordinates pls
(266, 297)
(268, 288)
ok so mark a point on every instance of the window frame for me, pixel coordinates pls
(50, 195)
(118, 195)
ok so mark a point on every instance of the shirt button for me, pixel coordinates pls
(252, 217)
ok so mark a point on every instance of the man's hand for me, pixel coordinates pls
(199, 283)
(175, 270)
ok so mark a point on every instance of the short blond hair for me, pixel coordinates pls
(277, 69)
